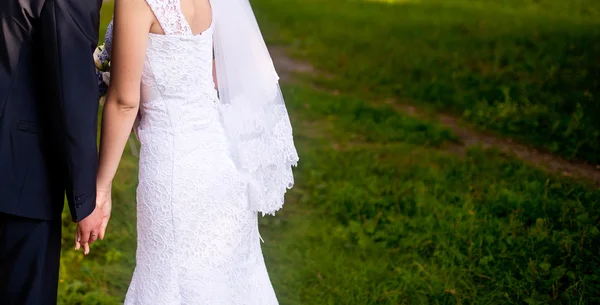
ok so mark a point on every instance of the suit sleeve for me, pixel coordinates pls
(70, 35)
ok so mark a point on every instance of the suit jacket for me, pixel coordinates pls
(48, 107)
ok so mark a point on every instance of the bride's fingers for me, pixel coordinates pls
(103, 227)
(103, 230)
(84, 240)
(86, 248)
(77, 239)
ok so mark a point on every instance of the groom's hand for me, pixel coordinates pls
(88, 230)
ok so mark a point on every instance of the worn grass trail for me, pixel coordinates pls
(527, 69)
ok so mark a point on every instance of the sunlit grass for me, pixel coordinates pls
(527, 69)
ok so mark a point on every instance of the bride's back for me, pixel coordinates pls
(178, 64)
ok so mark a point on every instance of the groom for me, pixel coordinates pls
(48, 125)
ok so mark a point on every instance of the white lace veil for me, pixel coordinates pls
(252, 107)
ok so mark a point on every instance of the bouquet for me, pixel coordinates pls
(102, 62)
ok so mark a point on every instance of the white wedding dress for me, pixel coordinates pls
(198, 241)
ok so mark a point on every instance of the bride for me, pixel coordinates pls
(211, 158)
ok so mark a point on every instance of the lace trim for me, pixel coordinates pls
(171, 18)
(264, 150)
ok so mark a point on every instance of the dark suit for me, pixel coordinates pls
(48, 128)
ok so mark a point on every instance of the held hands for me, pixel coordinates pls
(94, 226)
(87, 230)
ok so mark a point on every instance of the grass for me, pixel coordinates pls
(382, 220)
(527, 69)
(382, 213)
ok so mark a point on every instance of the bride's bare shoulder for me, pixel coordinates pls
(141, 7)
(132, 21)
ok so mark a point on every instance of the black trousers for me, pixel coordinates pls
(29, 260)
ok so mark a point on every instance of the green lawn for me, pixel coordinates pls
(382, 212)
(526, 68)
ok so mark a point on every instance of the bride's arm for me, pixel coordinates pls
(132, 21)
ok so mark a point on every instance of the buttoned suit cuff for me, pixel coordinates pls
(81, 206)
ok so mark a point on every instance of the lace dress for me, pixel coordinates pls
(198, 242)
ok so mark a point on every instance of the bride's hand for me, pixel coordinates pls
(104, 202)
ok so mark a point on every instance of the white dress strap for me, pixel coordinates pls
(169, 15)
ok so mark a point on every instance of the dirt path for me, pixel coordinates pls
(287, 67)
